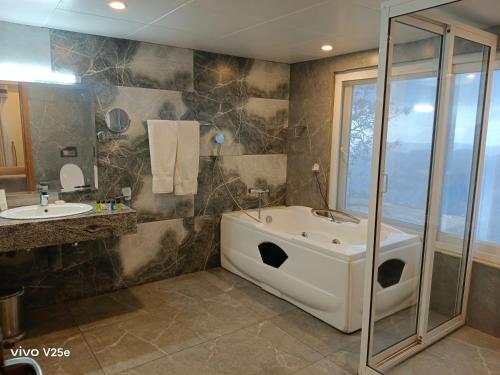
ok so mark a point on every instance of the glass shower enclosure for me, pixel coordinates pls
(446, 82)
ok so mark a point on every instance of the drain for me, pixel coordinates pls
(336, 241)
(304, 234)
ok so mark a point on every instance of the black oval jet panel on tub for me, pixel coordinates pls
(272, 254)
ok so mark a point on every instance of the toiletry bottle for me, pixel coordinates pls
(118, 204)
(113, 205)
(98, 206)
(108, 205)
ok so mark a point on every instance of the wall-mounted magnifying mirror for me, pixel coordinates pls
(117, 120)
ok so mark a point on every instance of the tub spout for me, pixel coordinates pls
(259, 191)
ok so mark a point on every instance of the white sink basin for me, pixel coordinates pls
(45, 212)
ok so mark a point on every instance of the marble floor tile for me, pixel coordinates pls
(323, 367)
(464, 352)
(172, 331)
(313, 332)
(232, 313)
(218, 323)
(193, 285)
(106, 309)
(260, 301)
(347, 358)
(260, 349)
(117, 349)
(50, 322)
(225, 280)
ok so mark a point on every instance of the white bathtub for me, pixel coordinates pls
(318, 276)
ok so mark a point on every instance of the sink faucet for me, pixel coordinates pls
(259, 191)
(43, 187)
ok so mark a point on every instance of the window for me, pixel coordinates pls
(357, 145)
(489, 207)
(408, 149)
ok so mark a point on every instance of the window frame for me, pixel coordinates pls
(484, 252)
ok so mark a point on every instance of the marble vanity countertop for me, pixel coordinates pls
(88, 226)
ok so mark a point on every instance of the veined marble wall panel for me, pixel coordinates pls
(122, 62)
(245, 99)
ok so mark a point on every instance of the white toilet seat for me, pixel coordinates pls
(71, 176)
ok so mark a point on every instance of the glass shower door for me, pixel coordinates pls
(410, 118)
(436, 94)
(458, 179)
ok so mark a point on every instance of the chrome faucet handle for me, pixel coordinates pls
(42, 186)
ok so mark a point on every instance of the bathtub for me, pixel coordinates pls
(292, 255)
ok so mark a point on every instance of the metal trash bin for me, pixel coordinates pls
(10, 314)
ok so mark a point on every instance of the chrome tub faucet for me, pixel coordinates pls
(259, 191)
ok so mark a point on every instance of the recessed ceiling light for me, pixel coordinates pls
(118, 5)
(423, 108)
(471, 76)
(327, 47)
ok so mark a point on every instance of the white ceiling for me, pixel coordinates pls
(277, 30)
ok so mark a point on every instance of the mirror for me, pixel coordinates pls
(16, 163)
(44, 127)
(117, 120)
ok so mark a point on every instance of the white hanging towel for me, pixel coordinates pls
(188, 158)
(162, 136)
(174, 147)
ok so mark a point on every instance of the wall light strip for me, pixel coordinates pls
(34, 73)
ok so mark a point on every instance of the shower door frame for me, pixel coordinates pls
(422, 339)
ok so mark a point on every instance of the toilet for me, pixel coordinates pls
(71, 176)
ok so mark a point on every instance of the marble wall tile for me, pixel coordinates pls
(127, 162)
(253, 126)
(52, 276)
(231, 76)
(484, 304)
(445, 276)
(122, 62)
(245, 99)
(310, 123)
(154, 247)
(164, 249)
(239, 174)
(159, 250)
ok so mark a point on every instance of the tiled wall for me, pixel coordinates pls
(484, 301)
(311, 119)
(245, 99)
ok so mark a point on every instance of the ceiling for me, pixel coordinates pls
(278, 30)
(479, 13)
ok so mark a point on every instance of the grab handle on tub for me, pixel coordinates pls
(335, 215)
